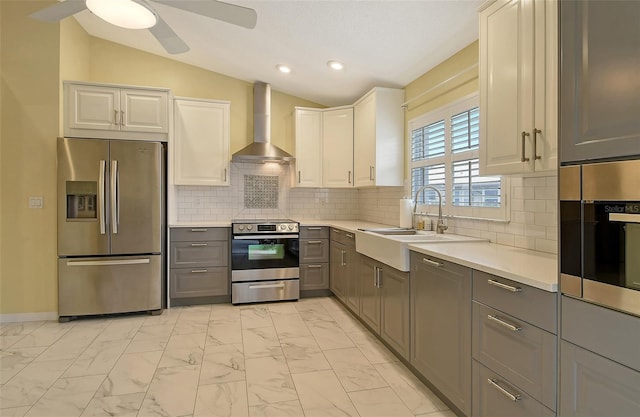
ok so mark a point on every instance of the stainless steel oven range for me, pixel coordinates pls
(264, 261)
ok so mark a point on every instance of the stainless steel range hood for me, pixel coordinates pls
(261, 150)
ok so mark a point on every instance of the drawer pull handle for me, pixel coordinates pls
(314, 242)
(314, 228)
(512, 397)
(349, 235)
(503, 286)
(198, 271)
(256, 287)
(337, 231)
(198, 244)
(198, 230)
(503, 323)
(314, 266)
(434, 263)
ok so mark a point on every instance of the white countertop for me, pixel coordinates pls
(348, 225)
(537, 269)
(201, 224)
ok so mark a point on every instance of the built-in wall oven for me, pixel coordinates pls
(600, 233)
(264, 261)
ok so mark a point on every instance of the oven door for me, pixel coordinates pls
(611, 254)
(260, 258)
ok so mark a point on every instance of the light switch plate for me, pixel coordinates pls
(35, 202)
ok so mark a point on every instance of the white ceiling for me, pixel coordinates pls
(382, 43)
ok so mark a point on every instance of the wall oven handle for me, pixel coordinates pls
(256, 237)
(258, 286)
(503, 286)
(503, 323)
(512, 397)
(624, 217)
(101, 196)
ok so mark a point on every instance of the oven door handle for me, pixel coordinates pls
(624, 217)
(257, 286)
(258, 237)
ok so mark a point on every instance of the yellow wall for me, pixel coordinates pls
(29, 93)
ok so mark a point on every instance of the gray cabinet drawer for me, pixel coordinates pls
(314, 250)
(525, 357)
(530, 304)
(606, 332)
(190, 254)
(340, 236)
(199, 234)
(491, 400)
(314, 232)
(190, 282)
(314, 276)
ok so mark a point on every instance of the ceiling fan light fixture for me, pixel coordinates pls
(128, 14)
(335, 65)
(283, 68)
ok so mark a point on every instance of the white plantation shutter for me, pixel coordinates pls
(428, 141)
(470, 189)
(465, 131)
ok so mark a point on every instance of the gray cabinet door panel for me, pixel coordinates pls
(191, 254)
(525, 357)
(314, 250)
(530, 304)
(199, 234)
(314, 232)
(353, 281)
(314, 276)
(369, 293)
(199, 282)
(490, 401)
(394, 325)
(600, 95)
(338, 273)
(592, 386)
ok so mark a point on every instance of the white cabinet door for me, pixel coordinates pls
(337, 145)
(378, 148)
(308, 148)
(92, 107)
(201, 142)
(144, 110)
(518, 87)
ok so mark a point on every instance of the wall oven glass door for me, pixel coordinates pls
(249, 253)
(611, 233)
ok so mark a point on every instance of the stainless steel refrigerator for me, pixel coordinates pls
(111, 221)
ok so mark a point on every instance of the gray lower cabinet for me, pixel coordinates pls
(441, 326)
(344, 268)
(599, 361)
(369, 292)
(314, 260)
(600, 96)
(199, 263)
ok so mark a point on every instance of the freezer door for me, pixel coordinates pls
(105, 285)
(136, 196)
(82, 197)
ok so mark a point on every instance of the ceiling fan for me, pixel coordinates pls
(172, 43)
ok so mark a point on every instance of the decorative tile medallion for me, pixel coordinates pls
(261, 192)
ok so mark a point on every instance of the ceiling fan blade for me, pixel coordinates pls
(168, 38)
(59, 11)
(230, 13)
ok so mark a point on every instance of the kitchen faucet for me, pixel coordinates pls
(440, 226)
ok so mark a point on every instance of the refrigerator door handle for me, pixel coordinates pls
(109, 262)
(115, 198)
(101, 191)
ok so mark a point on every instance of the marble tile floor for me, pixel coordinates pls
(308, 358)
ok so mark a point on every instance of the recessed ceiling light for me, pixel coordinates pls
(128, 14)
(335, 65)
(283, 68)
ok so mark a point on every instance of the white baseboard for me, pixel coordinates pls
(21, 317)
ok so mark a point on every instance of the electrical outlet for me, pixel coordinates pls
(36, 202)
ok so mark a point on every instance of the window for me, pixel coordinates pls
(444, 154)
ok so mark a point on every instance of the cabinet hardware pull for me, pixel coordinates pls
(198, 271)
(299, 177)
(503, 323)
(349, 235)
(342, 253)
(314, 228)
(198, 230)
(115, 117)
(371, 173)
(535, 144)
(503, 286)
(375, 276)
(314, 266)
(349, 177)
(512, 397)
(434, 263)
(123, 119)
(379, 277)
(225, 175)
(314, 242)
(337, 231)
(198, 244)
(524, 135)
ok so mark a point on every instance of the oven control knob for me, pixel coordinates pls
(290, 227)
(249, 227)
(241, 227)
(283, 226)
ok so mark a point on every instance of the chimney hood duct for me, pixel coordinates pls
(261, 150)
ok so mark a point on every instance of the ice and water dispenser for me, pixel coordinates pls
(82, 200)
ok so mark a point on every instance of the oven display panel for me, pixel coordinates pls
(266, 228)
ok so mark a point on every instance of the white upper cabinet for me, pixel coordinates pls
(107, 111)
(378, 142)
(308, 163)
(201, 142)
(518, 86)
(337, 145)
